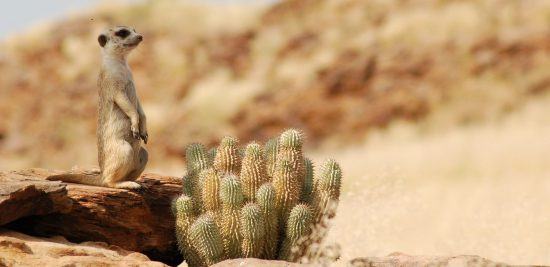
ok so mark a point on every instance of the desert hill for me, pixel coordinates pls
(209, 70)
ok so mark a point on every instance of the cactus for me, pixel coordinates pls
(182, 208)
(252, 231)
(265, 197)
(232, 200)
(253, 171)
(327, 189)
(211, 154)
(206, 239)
(210, 187)
(275, 181)
(228, 157)
(287, 189)
(307, 191)
(197, 159)
(290, 148)
(270, 154)
(187, 184)
(298, 226)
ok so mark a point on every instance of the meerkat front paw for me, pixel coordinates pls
(135, 132)
(127, 185)
(144, 137)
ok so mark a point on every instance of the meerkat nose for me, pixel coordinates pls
(140, 38)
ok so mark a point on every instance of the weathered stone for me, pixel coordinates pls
(133, 220)
(22, 194)
(17, 249)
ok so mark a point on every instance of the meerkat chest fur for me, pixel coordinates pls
(115, 78)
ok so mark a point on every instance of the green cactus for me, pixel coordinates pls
(253, 171)
(232, 199)
(330, 178)
(252, 231)
(210, 188)
(290, 148)
(183, 210)
(197, 159)
(265, 197)
(298, 225)
(206, 239)
(270, 154)
(187, 184)
(307, 191)
(327, 190)
(291, 138)
(228, 157)
(287, 188)
(211, 154)
(273, 182)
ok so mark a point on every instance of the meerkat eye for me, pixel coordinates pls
(122, 33)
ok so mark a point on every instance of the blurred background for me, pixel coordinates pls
(437, 110)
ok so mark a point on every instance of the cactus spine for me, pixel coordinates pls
(253, 171)
(197, 159)
(307, 191)
(270, 154)
(210, 188)
(252, 230)
(289, 171)
(298, 226)
(290, 148)
(327, 189)
(287, 189)
(232, 200)
(206, 239)
(228, 157)
(265, 197)
(182, 208)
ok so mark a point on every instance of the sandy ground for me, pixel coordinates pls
(481, 189)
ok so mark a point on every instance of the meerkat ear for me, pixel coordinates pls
(102, 39)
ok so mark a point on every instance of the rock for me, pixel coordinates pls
(255, 262)
(133, 220)
(18, 249)
(22, 195)
(400, 259)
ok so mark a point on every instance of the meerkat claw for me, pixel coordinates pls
(135, 134)
(144, 137)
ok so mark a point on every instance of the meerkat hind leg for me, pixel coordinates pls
(118, 167)
(127, 185)
(141, 162)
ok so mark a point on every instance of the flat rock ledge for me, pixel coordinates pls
(138, 221)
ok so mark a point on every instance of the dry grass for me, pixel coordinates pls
(477, 190)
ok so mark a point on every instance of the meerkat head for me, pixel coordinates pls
(119, 40)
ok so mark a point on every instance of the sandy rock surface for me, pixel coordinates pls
(17, 249)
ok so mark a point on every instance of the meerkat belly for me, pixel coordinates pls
(115, 125)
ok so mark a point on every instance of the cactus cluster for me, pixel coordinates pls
(260, 201)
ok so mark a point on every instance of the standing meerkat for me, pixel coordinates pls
(121, 120)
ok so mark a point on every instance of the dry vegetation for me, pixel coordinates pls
(467, 173)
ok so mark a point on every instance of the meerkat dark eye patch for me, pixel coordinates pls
(102, 39)
(123, 33)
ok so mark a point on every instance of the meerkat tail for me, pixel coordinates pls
(87, 178)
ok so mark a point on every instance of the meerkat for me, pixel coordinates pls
(121, 120)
